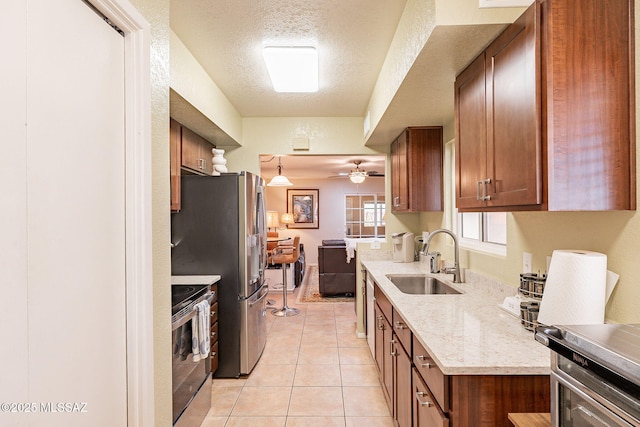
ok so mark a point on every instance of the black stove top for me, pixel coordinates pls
(182, 295)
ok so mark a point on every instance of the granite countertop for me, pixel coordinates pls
(195, 280)
(466, 334)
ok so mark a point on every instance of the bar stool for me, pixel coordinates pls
(286, 259)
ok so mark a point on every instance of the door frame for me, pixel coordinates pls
(138, 238)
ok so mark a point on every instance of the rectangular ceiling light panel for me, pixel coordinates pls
(292, 68)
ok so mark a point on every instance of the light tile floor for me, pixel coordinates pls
(314, 372)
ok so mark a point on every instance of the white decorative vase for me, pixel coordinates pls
(218, 161)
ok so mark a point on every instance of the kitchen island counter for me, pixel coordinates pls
(466, 334)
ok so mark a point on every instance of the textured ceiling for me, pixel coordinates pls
(352, 38)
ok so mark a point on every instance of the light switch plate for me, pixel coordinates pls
(527, 261)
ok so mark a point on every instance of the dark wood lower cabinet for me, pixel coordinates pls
(402, 385)
(487, 400)
(419, 394)
(383, 356)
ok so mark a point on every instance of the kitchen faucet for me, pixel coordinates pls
(455, 270)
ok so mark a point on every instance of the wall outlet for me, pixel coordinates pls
(527, 262)
(375, 245)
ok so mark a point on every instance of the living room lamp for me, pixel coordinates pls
(286, 218)
(272, 220)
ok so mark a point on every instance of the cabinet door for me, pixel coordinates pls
(589, 97)
(207, 156)
(175, 162)
(383, 354)
(425, 159)
(191, 150)
(471, 134)
(403, 396)
(399, 174)
(514, 153)
(196, 152)
(416, 170)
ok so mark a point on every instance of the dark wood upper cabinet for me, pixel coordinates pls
(545, 116)
(175, 156)
(196, 152)
(416, 170)
(471, 134)
(189, 153)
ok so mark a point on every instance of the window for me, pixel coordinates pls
(485, 227)
(364, 215)
(478, 231)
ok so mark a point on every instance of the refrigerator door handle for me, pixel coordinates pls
(261, 228)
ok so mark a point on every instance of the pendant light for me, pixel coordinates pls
(357, 175)
(279, 180)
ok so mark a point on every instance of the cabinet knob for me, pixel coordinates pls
(213, 313)
(392, 348)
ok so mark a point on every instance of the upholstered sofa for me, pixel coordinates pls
(336, 275)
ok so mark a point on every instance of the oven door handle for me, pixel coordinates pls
(181, 321)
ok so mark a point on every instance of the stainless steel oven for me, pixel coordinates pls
(595, 374)
(191, 389)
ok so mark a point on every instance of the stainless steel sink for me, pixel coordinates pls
(421, 284)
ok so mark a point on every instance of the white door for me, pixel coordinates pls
(64, 217)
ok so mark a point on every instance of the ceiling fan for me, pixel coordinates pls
(358, 175)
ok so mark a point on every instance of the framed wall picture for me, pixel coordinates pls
(303, 205)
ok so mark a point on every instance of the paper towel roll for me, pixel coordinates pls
(575, 290)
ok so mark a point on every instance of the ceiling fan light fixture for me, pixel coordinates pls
(292, 68)
(279, 180)
(357, 175)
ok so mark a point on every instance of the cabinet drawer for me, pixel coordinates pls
(214, 313)
(437, 382)
(402, 331)
(214, 292)
(214, 356)
(213, 333)
(383, 303)
(425, 411)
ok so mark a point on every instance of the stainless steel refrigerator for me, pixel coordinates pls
(221, 229)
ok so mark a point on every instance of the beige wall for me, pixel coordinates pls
(616, 234)
(331, 209)
(327, 135)
(156, 12)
